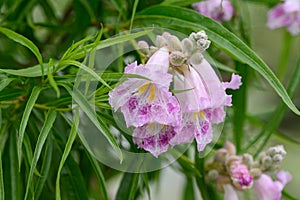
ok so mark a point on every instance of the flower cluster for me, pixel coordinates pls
(162, 118)
(286, 14)
(233, 172)
(219, 10)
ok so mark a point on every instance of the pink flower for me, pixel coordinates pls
(240, 175)
(267, 189)
(148, 100)
(202, 101)
(219, 10)
(285, 14)
(154, 137)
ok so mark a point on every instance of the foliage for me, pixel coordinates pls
(49, 48)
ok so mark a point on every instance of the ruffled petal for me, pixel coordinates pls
(150, 106)
(234, 83)
(284, 177)
(267, 189)
(154, 138)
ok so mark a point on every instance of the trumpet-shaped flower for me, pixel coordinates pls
(219, 10)
(147, 100)
(286, 14)
(202, 101)
(267, 189)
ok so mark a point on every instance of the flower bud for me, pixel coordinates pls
(212, 175)
(221, 155)
(230, 148)
(177, 58)
(255, 172)
(196, 58)
(267, 162)
(174, 43)
(231, 159)
(187, 46)
(279, 149)
(144, 47)
(161, 41)
(247, 159)
(201, 40)
(277, 158)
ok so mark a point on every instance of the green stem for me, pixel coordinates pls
(239, 100)
(206, 191)
(284, 58)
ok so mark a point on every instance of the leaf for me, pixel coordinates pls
(88, 110)
(34, 71)
(25, 42)
(50, 118)
(189, 193)
(73, 184)
(5, 82)
(31, 101)
(46, 164)
(2, 192)
(170, 16)
(71, 139)
(99, 174)
(128, 186)
(51, 79)
(12, 178)
(136, 2)
(85, 68)
(82, 51)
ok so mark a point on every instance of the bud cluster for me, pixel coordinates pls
(241, 171)
(187, 51)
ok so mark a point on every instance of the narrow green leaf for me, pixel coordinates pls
(170, 16)
(34, 71)
(46, 164)
(136, 2)
(82, 51)
(25, 42)
(85, 68)
(71, 139)
(2, 192)
(50, 118)
(128, 186)
(73, 185)
(51, 79)
(88, 110)
(99, 174)
(5, 82)
(31, 101)
(12, 178)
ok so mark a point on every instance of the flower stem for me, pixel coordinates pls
(283, 61)
(207, 192)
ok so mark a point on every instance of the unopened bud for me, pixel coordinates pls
(230, 148)
(187, 46)
(221, 155)
(144, 47)
(247, 159)
(279, 149)
(277, 158)
(196, 59)
(255, 172)
(231, 159)
(212, 175)
(201, 40)
(267, 162)
(174, 43)
(161, 41)
(177, 58)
